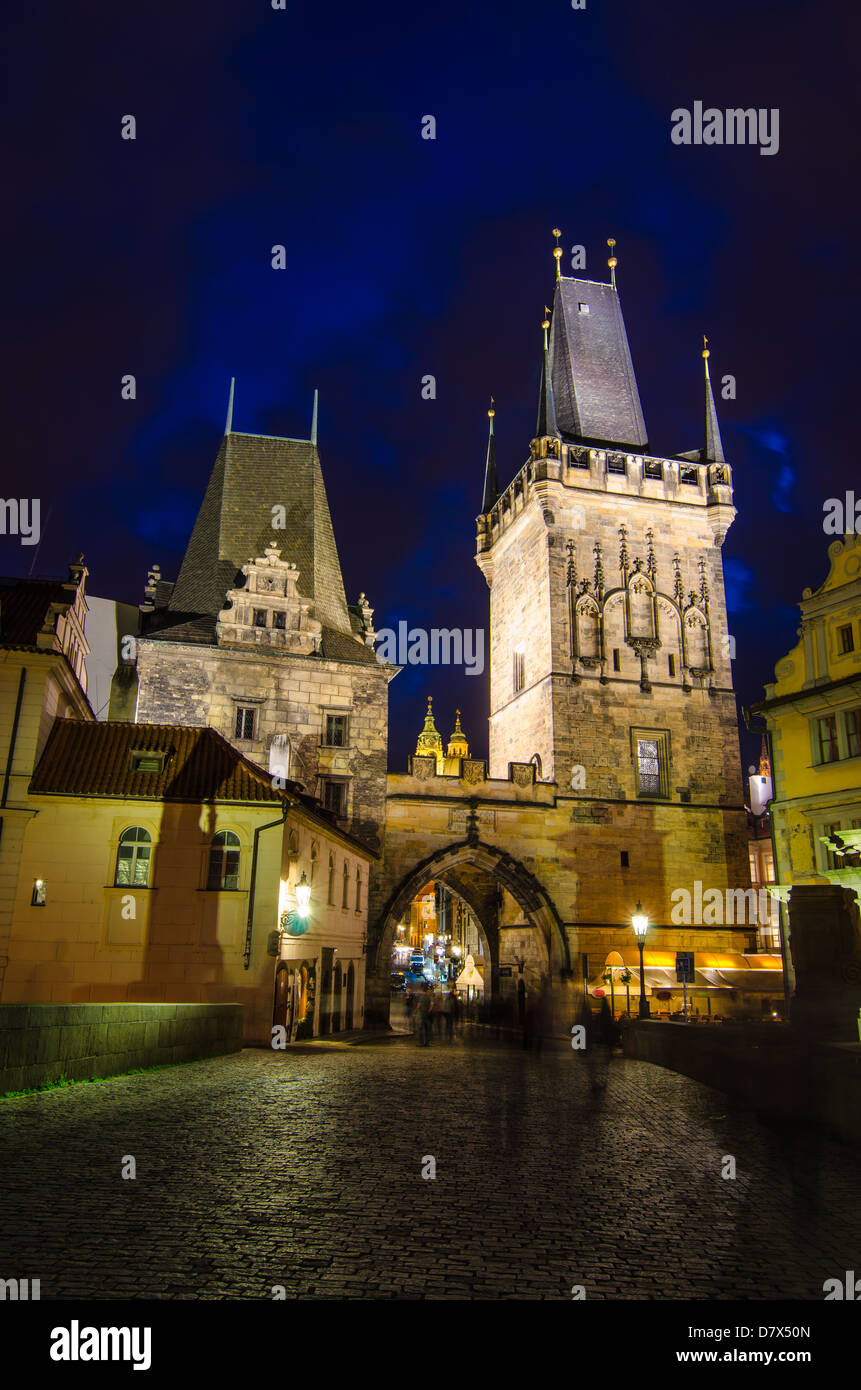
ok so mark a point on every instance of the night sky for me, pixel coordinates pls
(406, 257)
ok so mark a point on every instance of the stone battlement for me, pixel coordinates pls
(471, 779)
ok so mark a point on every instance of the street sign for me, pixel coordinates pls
(685, 967)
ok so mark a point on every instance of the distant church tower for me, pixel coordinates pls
(429, 745)
(610, 657)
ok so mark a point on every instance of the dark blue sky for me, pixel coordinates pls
(407, 257)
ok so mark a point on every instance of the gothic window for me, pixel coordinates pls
(315, 856)
(519, 670)
(588, 631)
(244, 724)
(642, 609)
(617, 659)
(223, 868)
(696, 645)
(671, 664)
(345, 886)
(651, 750)
(334, 797)
(133, 858)
(358, 889)
(827, 731)
(336, 731)
(331, 893)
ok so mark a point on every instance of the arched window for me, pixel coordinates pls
(345, 887)
(315, 855)
(134, 857)
(358, 889)
(331, 894)
(223, 871)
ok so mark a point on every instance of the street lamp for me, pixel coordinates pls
(303, 896)
(640, 923)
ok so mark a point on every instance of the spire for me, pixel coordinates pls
(491, 484)
(429, 743)
(314, 417)
(713, 445)
(229, 424)
(612, 263)
(546, 409)
(457, 744)
(557, 254)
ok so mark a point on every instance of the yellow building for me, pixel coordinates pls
(813, 714)
(429, 745)
(42, 677)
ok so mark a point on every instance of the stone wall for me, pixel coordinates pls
(767, 1066)
(42, 1043)
(186, 684)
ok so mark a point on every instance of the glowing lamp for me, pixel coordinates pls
(303, 896)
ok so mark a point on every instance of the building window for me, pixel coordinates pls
(617, 659)
(846, 638)
(345, 885)
(133, 858)
(331, 894)
(260, 617)
(315, 855)
(336, 730)
(853, 732)
(358, 889)
(40, 893)
(832, 860)
(335, 797)
(653, 470)
(147, 762)
(223, 869)
(828, 751)
(616, 465)
(244, 726)
(279, 620)
(671, 663)
(623, 853)
(583, 308)
(691, 476)
(651, 753)
(519, 670)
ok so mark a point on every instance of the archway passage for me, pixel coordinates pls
(515, 921)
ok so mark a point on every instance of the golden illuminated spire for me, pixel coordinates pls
(557, 253)
(457, 744)
(491, 413)
(612, 263)
(429, 743)
(545, 325)
(706, 353)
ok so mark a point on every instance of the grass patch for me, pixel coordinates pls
(63, 1081)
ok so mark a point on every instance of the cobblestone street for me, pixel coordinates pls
(303, 1169)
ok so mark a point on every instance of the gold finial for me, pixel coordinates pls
(557, 252)
(491, 412)
(545, 325)
(612, 263)
(706, 353)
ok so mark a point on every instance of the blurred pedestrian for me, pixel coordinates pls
(436, 1012)
(451, 1010)
(423, 1005)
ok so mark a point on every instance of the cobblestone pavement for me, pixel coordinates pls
(303, 1168)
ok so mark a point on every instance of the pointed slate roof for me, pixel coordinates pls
(253, 474)
(592, 377)
(491, 481)
(546, 424)
(712, 451)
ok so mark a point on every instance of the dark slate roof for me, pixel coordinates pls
(95, 760)
(712, 451)
(594, 387)
(23, 606)
(252, 474)
(491, 480)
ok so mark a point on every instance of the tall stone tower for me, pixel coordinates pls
(609, 651)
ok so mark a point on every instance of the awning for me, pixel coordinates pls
(758, 974)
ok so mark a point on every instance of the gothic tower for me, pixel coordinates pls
(609, 650)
